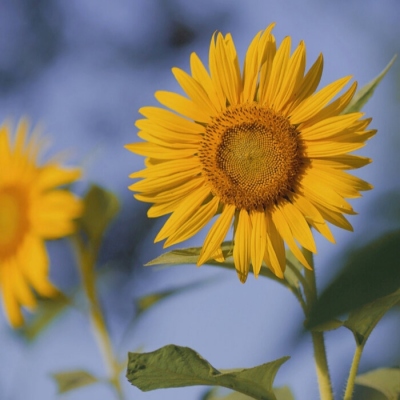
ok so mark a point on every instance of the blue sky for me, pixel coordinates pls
(83, 68)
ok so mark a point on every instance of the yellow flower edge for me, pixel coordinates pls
(33, 209)
(260, 148)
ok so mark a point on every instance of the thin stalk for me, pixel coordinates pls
(321, 361)
(87, 259)
(348, 395)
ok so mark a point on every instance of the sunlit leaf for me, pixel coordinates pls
(364, 319)
(365, 93)
(101, 206)
(175, 366)
(70, 380)
(385, 380)
(46, 312)
(371, 272)
(187, 256)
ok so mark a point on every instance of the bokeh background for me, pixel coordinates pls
(83, 68)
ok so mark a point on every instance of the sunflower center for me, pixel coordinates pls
(13, 220)
(251, 156)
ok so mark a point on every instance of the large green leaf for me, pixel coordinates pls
(385, 380)
(70, 380)
(371, 272)
(175, 366)
(364, 319)
(365, 93)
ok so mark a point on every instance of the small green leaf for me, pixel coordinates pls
(101, 206)
(364, 319)
(364, 94)
(187, 256)
(175, 366)
(385, 380)
(47, 311)
(371, 272)
(70, 380)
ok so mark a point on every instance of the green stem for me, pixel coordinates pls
(87, 260)
(353, 372)
(321, 361)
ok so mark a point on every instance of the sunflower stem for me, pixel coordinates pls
(87, 261)
(348, 395)
(321, 361)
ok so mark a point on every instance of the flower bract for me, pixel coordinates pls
(257, 147)
(32, 209)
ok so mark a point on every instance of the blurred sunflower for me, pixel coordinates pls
(261, 149)
(31, 210)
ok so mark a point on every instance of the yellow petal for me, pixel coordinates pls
(258, 240)
(298, 225)
(278, 74)
(285, 232)
(183, 106)
(329, 126)
(195, 223)
(185, 210)
(200, 73)
(195, 91)
(312, 216)
(241, 249)
(275, 255)
(216, 234)
(170, 120)
(159, 152)
(155, 184)
(313, 104)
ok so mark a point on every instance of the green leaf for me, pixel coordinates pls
(385, 380)
(188, 256)
(47, 311)
(175, 366)
(70, 380)
(364, 319)
(371, 272)
(100, 207)
(364, 94)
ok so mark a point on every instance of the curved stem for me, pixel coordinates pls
(87, 260)
(321, 361)
(353, 372)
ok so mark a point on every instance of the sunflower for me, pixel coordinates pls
(261, 149)
(32, 209)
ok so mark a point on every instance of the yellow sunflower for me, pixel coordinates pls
(260, 148)
(32, 209)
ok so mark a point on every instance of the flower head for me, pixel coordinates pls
(261, 148)
(32, 210)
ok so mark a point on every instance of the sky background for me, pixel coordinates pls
(83, 68)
